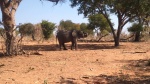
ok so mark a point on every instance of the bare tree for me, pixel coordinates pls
(8, 9)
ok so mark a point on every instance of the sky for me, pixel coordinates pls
(34, 11)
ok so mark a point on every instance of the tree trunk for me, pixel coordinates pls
(9, 25)
(137, 33)
(10, 42)
(137, 37)
(117, 40)
(8, 8)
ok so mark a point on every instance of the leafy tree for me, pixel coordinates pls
(47, 28)
(85, 27)
(143, 15)
(99, 22)
(26, 29)
(76, 26)
(134, 29)
(125, 11)
(66, 25)
(8, 10)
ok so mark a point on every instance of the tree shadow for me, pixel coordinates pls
(3, 55)
(96, 46)
(55, 47)
(106, 79)
(66, 81)
(139, 67)
(50, 47)
(121, 79)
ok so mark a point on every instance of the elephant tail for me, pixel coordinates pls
(56, 41)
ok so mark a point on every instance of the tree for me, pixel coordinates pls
(85, 27)
(76, 26)
(66, 25)
(99, 23)
(8, 9)
(125, 11)
(26, 29)
(38, 33)
(136, 29)
(142, 17)
(98, 20)
(47, 28)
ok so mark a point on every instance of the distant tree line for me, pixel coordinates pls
(45, 29)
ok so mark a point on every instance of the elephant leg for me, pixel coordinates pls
(60, 46)
(72, 45)
(76, 46)
(64, 46)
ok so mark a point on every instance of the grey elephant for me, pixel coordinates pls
(65, 36)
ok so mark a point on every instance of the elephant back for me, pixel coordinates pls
(63, 36)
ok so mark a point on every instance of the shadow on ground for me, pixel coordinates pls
(105, 79)
(119, 79)
(54, 47)
(139, 67)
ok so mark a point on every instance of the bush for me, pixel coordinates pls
(47, 28)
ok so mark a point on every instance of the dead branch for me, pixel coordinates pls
(102, 37)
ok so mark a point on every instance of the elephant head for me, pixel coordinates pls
(79, 34)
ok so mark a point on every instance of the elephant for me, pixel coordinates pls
(65, 36)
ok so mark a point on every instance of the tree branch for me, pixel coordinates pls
(53, 1)
(15, 5)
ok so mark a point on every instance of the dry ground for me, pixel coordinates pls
(92, 63)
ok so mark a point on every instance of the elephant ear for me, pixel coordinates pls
(74, 33)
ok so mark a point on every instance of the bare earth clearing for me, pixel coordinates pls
(92, 63)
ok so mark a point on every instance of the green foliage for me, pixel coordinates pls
(69, 25)
(47, 28)
(66, 25)
(84, 27)
(98, 20)
(26, 29)
(104, 32)
(135, 28)
(125, 10)
(76, 26)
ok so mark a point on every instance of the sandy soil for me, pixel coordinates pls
(92, 63)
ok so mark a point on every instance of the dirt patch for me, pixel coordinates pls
(92, 63)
